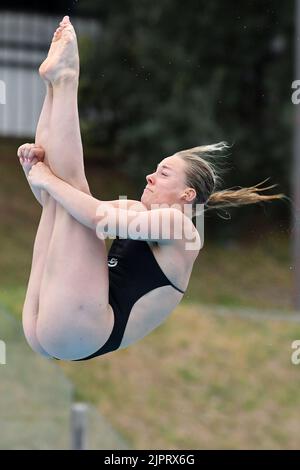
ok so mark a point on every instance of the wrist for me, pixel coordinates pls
(49, 183)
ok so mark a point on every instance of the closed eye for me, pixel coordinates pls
(162, 173)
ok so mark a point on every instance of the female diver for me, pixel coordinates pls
(81, 303)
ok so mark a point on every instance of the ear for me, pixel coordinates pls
(189, 195)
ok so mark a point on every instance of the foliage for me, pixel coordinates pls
(172, 75)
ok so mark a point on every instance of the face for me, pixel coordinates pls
(167, 184)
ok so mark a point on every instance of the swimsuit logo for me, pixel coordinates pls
(112, 262)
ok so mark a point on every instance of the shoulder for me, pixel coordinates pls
(188, 243)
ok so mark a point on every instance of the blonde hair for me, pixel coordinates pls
(203, 176)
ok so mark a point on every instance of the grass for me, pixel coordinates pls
(201, 380)
(244, 275)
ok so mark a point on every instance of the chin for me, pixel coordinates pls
(144, 201)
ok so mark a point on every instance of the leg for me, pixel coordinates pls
(65, 147)
(61, 70)
(75, 318)
(31, 304)
(42, 240)
(43, 129)
(44, 233)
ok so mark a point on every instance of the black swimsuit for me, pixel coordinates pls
(133, 272)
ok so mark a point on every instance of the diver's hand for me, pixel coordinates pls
(29, 155)
(40, 175)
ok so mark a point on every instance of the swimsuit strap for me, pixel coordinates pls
(177, 288)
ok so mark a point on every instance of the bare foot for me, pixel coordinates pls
(62, 61)
(53, 47)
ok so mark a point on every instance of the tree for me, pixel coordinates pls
(170, 75)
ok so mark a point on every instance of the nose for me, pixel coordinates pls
(150, 178)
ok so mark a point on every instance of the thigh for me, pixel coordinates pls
(74, 314)
(41, 246)
(31, 303)
(76, 259)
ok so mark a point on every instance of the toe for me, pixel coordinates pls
(68, 35)
(69, 29)
(65, 20)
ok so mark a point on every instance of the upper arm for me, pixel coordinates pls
(161, 225)
(131, 204)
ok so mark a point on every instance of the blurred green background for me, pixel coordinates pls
(161, 77)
